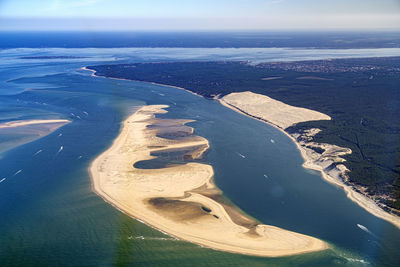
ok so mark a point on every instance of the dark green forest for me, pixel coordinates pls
(362, 96)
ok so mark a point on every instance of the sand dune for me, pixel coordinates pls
(182, 200)
(281, 116)
(277, 112)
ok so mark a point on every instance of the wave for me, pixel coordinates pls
(153, 238)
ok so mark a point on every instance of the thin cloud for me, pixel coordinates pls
(57, 5)
(82, 3)
(276, 1)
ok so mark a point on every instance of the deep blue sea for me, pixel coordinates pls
(49, 215)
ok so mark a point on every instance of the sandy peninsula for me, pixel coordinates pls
(182, 199)
(282, 116)
(94, 74)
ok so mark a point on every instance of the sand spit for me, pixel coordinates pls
(182, 200)
(282, 116)
(13, 124)
(28, 131)
(94, 74)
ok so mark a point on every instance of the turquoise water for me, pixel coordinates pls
(50, 216)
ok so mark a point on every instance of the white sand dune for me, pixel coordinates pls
(282, 116)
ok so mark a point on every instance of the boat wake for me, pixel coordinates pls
(243, 156)
(37, 152)
(17, 172)
(365, 229)
(362, 227)
(59, 151)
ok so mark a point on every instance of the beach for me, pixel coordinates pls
(182, 199)
(282, 116)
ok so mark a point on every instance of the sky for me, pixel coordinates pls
(123, 15)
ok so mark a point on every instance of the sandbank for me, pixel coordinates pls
(13, 124)
(182, 200)
(25, 131)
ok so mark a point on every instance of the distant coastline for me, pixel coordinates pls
(94, 74)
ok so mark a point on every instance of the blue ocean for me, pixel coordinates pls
(49, 215)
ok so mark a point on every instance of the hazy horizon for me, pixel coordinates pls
(190, 15)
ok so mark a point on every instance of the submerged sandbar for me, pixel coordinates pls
(182, 200)
(55, 123)
(25, 131)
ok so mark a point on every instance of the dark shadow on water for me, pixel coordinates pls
(170, 157)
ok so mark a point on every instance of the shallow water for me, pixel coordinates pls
(50, 216)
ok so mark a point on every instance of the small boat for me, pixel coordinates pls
(362, 227)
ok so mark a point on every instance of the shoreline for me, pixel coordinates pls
(363, 201)
(360, 199)
(123, 79)
(181, 201)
